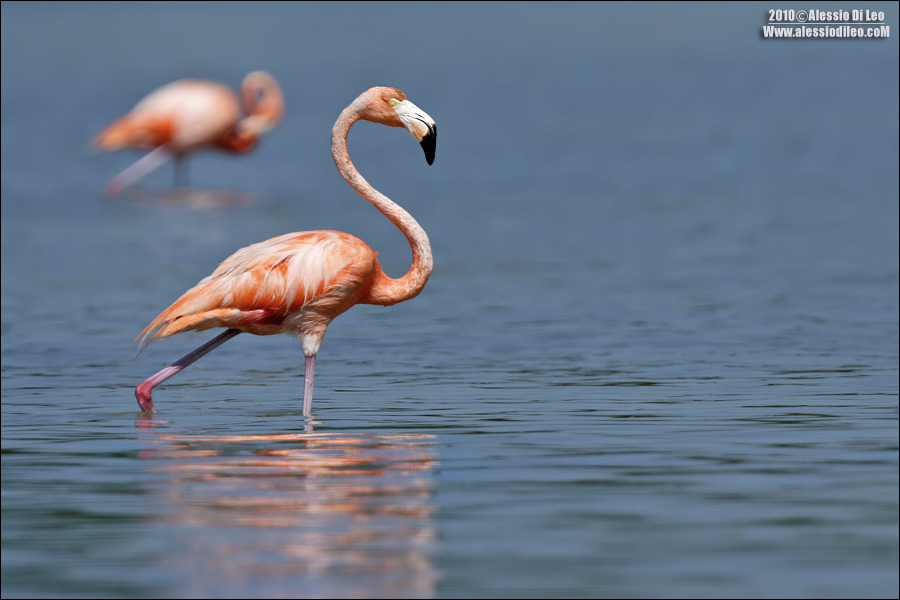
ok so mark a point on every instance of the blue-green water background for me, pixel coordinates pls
(658, 355)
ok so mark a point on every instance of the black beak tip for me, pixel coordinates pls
(429, 143)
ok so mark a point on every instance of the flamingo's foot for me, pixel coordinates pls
(143, 393)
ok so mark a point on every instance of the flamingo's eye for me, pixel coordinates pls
(393, 102)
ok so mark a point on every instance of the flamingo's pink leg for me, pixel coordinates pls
(144, 391)
(145, 165)
(308, 385)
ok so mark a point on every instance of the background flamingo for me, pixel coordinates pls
(189, 114)
(298, 282)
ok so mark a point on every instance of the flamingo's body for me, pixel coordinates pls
(191, 114)
(298, 282)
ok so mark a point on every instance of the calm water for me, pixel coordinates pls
(658, 355)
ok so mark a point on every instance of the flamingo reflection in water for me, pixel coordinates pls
(319, 515)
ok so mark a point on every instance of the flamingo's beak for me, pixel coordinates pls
(420, 126)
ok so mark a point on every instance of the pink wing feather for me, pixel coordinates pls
(258, 287)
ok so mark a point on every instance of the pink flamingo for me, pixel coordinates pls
(298, 282)
(190, 114)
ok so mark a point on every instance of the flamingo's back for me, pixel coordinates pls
(278, 286)
(184, 114)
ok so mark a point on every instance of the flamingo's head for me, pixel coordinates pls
(390, 106)
(263, 102)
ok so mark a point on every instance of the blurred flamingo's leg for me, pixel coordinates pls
(182, 170)
(146, 164)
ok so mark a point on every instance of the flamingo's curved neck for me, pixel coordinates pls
(264, 105)
(262, 100)
(384, 289)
